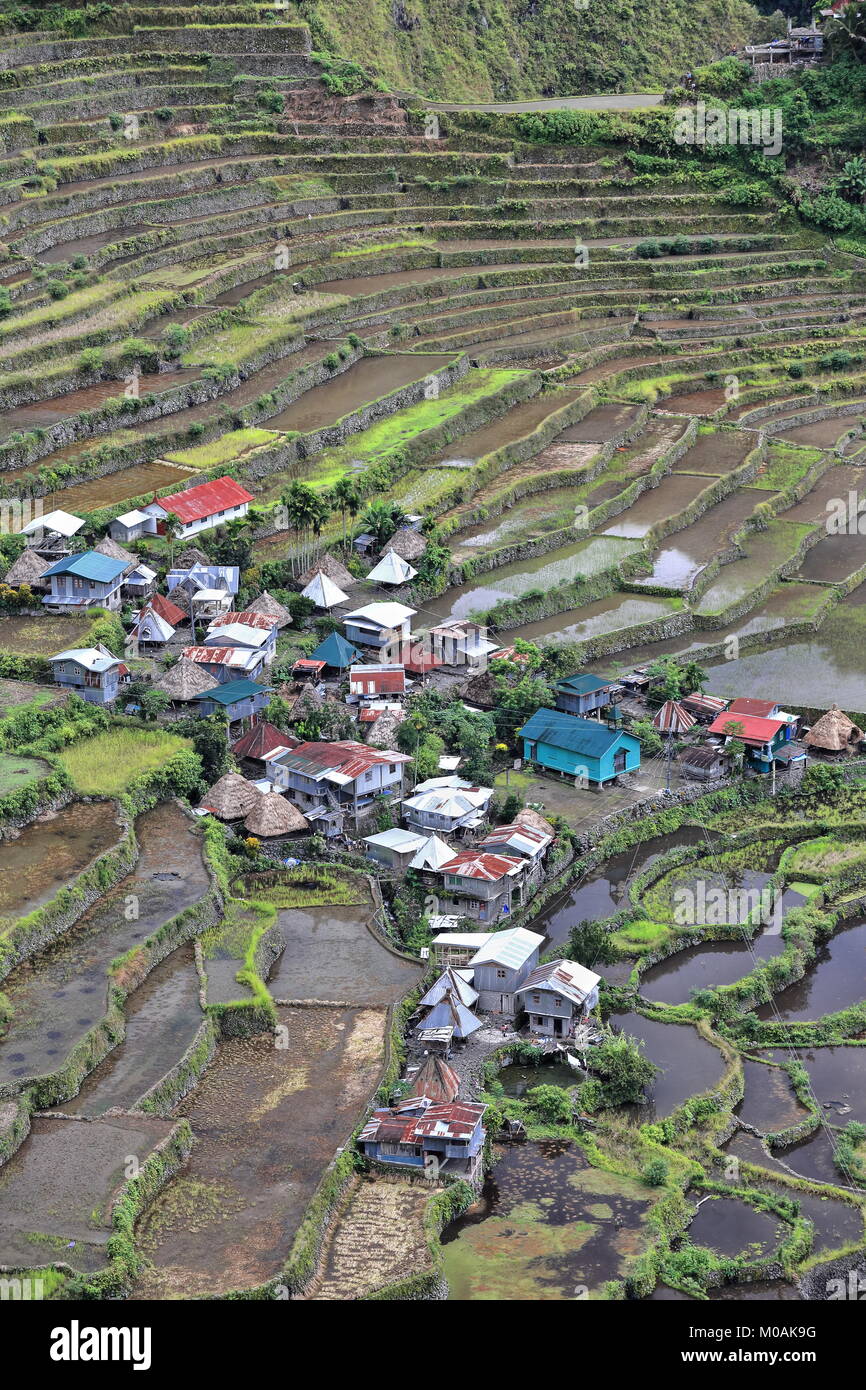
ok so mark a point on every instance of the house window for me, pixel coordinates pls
(557, 1003)
(501, 974)
(536, 998)
(392, 767)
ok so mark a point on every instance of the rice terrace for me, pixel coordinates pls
(433, 656)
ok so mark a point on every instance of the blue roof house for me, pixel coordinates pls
(88, 580)
(579, 748)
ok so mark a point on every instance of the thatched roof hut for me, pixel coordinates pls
(383, 731)
(27, 569)
(184, 681)
(332, 567)
(189, 557)
(408, 544)
(535, 821)
(479, 690)
(108, 546)
(270, 608)
(273, 816)
(232, 797)
(834, 732)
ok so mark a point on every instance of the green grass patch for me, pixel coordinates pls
(785, 467)
(105, 765)
(225, 449)
(16, 772)
(637, 937)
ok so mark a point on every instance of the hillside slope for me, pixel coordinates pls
(515, 48)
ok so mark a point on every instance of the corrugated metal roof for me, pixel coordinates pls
(99, 569)
(487, 867)
(205, 500)
(589, 737)
(564, 977)
(511, 948)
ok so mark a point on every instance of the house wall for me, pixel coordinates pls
(73, 677)
(496, 985)
(68, 591)
(571, 703)
(574, 764)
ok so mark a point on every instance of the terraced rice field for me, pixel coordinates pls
(307, 288)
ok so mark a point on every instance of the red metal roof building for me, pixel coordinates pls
(248, 618)
(167, 610)
(490, 868)
(205, 505)
(761, 709)
(262, 742)
(374, 681)
(755, 731)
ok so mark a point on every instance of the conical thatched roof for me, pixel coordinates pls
(232, 797)
(185, 681)
(109, 547)
(27, 569)
(189, 557)
(308, 701)
(268, 605)
(384, 731)
(273, 815)
(834, 732)
(332, 567)
(408, 543)
(531, 818)
(479, 690)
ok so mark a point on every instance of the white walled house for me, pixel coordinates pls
(201, 508)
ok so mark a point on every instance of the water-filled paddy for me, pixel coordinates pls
(365, 381)
(51, 851)
(770, 1103)
(331, 953)
(835, 980)
(58, 996)
(602, 892)
(731, 1228)
(717, 453)
(805, 671)
(682, 556)
(162, 1018)
(548, 1227)
(838, 1078)
(520, 420)
(688, 1063)
(658, 504)
(604, 616)
(116, 487)
(581, 559)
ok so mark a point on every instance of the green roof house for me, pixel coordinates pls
(337, 652)
(576, 747)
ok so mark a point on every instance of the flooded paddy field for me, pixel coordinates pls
(688, 1063)
(758, 1290)
(581, 559)
(162, 1018)
(717, 453)
(833, 559)
(661, 503)
(837, 1076)
(603, 616)
(603, 891)
(59, 995)
(682, 556)
(42, 635)
(548, 1226)
(803, 670)
(731, 1228)
(116, 487)
(332, 953)
(517, 1079)
(813, 1158)
(51, 851)
(837, 1223)
(525, 521)
(57, 1190)
(763, 554)
(267, 1121)
(43, 414)
(822, 434)
(835, 980)
(365, 381)
(770, 1103)
(695, 402)
(602, 423)
(520, 420)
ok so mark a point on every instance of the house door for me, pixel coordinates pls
(619, 760)
(558, 1027)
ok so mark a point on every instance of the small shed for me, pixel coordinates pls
(674, 719)
(393, 848)
(705, 764)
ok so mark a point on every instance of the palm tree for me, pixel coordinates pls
(302, 508)
(847, 30)
(171, 530)
(382, 519)
(344, 496)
